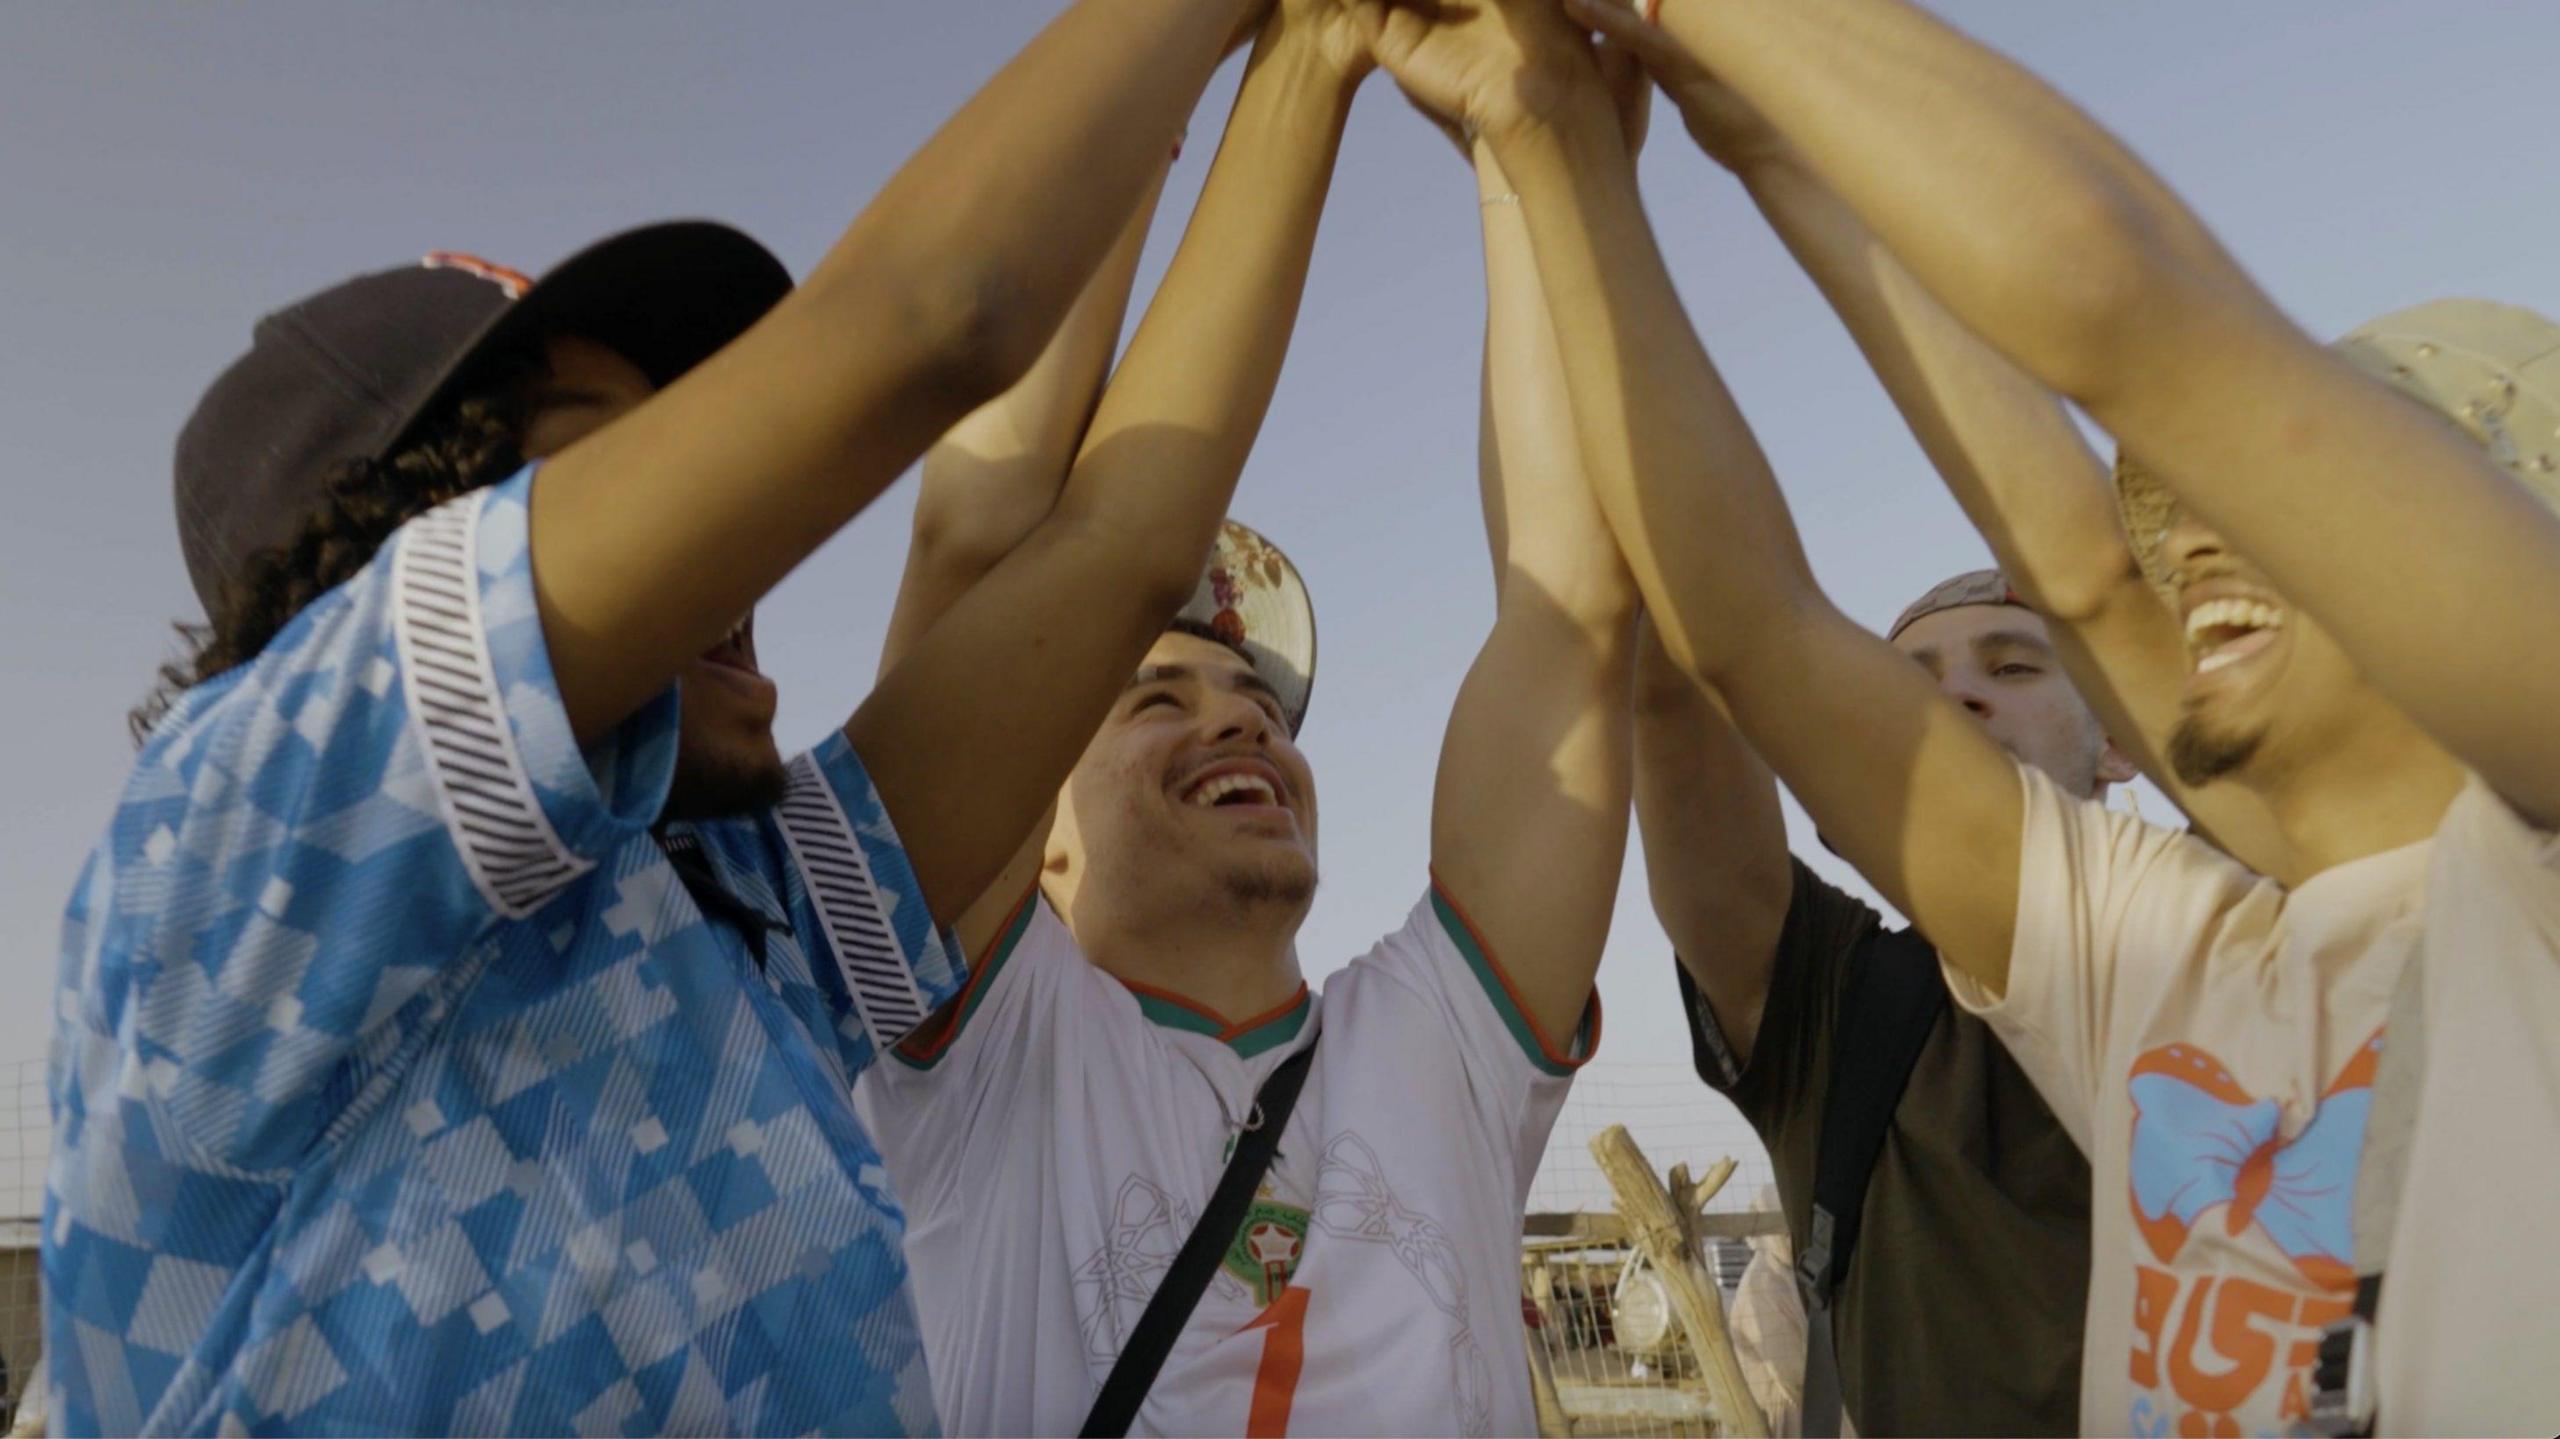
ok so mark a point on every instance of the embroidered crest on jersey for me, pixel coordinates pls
(1267, 1247)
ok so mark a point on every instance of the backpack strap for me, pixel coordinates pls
(1134, 1373)
(1890, 1001)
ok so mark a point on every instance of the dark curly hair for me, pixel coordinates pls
(474, 442)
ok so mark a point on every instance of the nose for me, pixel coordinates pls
(1965, 693)
(2187, 540)
(1231, 716)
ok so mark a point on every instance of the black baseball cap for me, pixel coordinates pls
(351, 372)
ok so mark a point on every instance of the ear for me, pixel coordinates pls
(2115, 766)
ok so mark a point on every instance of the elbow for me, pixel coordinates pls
(2086, 587)
(1151, 574)
(1164, 580)
(1664, 693)
(972, 328)
(2111, 269)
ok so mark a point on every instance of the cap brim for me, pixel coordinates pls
(1254, 599)
(665, 296)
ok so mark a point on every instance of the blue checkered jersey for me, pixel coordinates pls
(400, 1086)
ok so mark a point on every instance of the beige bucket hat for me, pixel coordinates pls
(2492, 369)
(1251, 597)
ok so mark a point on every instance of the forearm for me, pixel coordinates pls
(2050, 240)
(1070, 612)
(996, 475)
(1715, 842)
(1529, 813)
(1540, 517)
(1909, 786)
(1175, 425)
(2004, 445)
(2036, 227)
(1684, 487)
(995, 225)
(651, 536)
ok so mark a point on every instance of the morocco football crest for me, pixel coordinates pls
(1265, 1250)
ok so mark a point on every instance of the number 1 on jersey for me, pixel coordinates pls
(1284, 1353)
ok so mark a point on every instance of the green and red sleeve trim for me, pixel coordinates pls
(1255, 1034)
(924, 1048)
(1561, 1062)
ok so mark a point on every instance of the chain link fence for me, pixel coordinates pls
(1601, 1323)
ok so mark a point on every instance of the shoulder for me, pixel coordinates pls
(2070, 842)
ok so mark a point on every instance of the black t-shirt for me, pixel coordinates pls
(1962, 1310)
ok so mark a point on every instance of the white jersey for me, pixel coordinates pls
(1054, 1148)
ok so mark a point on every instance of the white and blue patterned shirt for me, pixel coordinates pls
(400, 1086)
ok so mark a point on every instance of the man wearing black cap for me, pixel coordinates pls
(453, 1038)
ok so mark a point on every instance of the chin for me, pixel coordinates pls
(1290, 882)
(726, 782)
(2202, 751)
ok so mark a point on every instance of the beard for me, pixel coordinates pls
(718, 786)
(1288, 886)
(2199, 754)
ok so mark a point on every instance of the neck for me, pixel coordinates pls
(1234, 959)
(2373, 786)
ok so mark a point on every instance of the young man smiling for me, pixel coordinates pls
(1978, 1199)
(458, 1020)
(1057, 1134)
(2214, 1038)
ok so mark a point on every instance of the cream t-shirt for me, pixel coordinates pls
(2210, 1040)
(2470, 1324)
(1054, 1148)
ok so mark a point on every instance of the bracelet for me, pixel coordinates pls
(1507, 197)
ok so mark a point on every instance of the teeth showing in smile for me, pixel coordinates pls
(1255, 788)
(2216, 627)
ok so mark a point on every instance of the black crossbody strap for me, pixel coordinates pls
(1889, 1005)
(1188, 1277)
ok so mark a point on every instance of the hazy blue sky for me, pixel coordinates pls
(168, 173)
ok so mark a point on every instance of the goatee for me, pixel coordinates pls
(2198, 755)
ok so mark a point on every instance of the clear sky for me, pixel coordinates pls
(168, 173)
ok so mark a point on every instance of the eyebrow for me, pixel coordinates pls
(1245, 679)
(2023, 639)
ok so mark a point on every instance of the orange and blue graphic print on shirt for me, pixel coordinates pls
(2215, 1191)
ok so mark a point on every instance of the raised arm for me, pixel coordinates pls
(970, 736)
(996, 475)
(1906, 785)
(1715, 842)
(2006, 448)
(1529, 811)
(653, 535)
(2047, 237)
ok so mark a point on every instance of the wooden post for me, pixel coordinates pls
(1553, 1422)
(1654, 1225)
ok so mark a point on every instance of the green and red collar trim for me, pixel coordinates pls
(1256, 1034)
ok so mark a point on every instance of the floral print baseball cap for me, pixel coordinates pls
(1252, 598)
